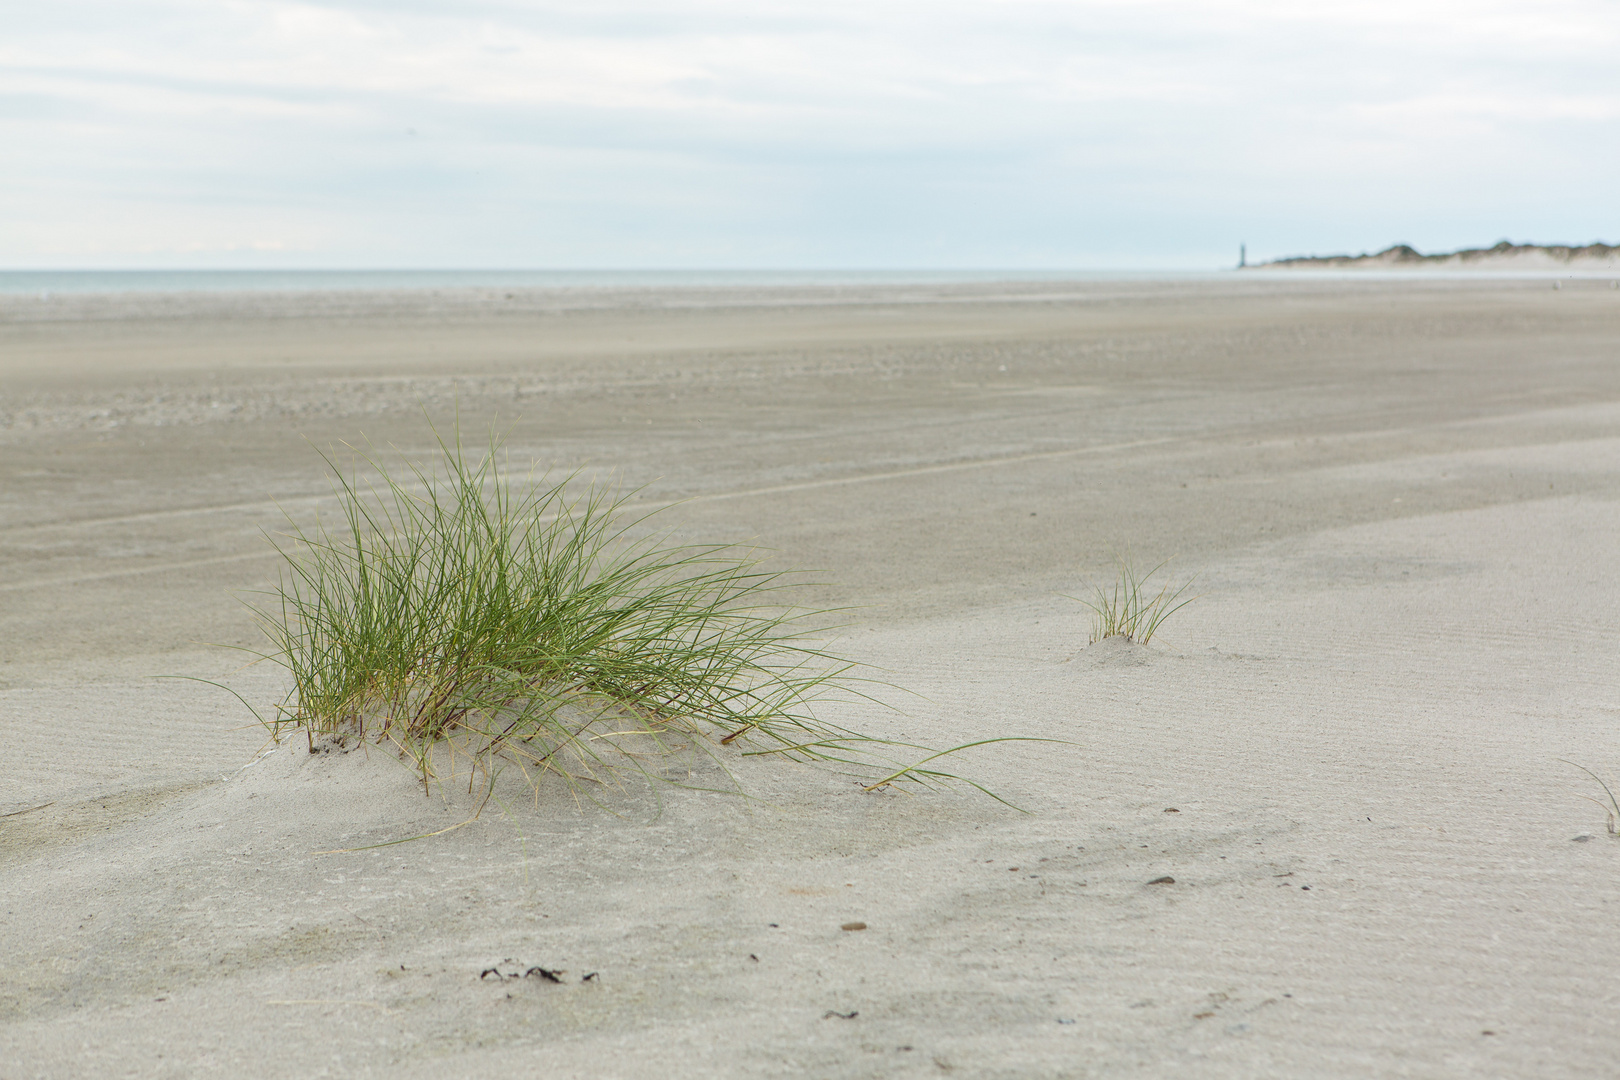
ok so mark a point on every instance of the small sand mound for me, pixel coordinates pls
(1116, 651)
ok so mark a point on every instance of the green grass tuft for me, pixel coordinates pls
(457, 617)
(1131, 609)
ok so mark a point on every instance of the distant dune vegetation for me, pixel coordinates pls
(1505, 255)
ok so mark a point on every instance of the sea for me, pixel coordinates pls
(47, 282)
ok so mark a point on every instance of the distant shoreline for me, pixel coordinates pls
(1501, 256)
(64, 282)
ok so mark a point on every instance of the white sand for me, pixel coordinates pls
(1401, 502)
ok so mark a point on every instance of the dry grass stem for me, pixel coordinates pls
(1611, 808)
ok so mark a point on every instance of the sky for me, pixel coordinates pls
(835, 134)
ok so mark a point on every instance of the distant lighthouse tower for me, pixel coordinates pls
(1243, 256)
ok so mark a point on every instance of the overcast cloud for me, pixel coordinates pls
(834, 134)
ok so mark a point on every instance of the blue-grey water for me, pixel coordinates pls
(162, 281)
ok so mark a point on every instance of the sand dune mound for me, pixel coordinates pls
(1115, 651)
(1504, 255)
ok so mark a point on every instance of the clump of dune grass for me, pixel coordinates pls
(456, 616)
(1131, 608)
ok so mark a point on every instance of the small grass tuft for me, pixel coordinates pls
(457, 617)
(1131, 609)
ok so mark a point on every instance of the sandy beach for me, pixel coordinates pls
(1400, 500)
